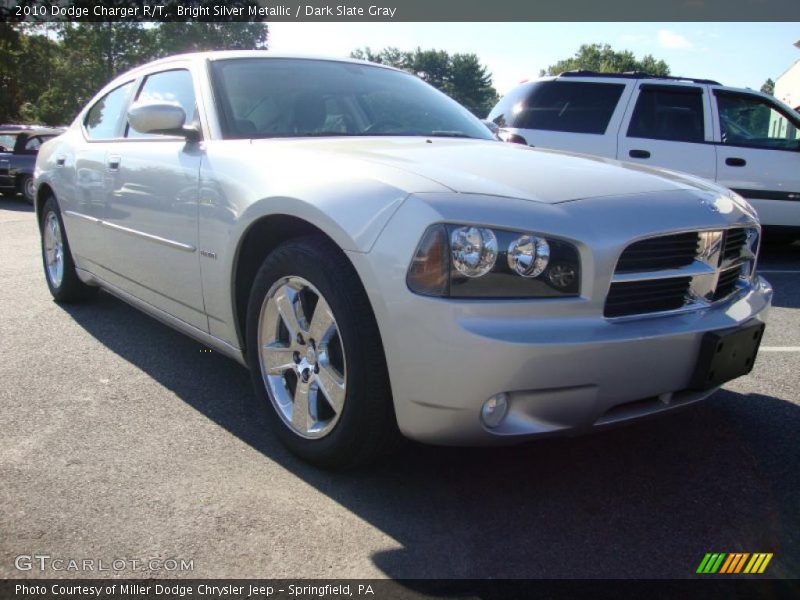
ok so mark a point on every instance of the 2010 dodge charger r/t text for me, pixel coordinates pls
(383, 264)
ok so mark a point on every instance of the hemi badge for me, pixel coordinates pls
(208, 254)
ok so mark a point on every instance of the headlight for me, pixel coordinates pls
(474, 250)
(460, 261)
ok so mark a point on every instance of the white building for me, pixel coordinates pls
(787, 86)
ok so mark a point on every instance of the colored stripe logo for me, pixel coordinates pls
(734, 563)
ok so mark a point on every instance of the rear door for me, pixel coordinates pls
(668, 125)
(83, 180)
(758, 154)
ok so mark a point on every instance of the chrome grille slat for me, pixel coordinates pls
(654, 254)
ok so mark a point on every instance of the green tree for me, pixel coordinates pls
(768, 87)
(50, 70)
(471, 84)
(604, 59)
(198, 36)
(461, 76)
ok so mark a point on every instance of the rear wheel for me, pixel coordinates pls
(27, 189)
(59, 268)
(316, 357)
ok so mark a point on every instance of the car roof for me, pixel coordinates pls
(234, 54)
(634, 75)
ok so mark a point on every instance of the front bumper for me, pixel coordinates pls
(565, 368)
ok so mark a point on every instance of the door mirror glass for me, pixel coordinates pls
(165, 118)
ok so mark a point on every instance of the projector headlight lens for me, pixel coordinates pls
(474, 250)
(528, 255)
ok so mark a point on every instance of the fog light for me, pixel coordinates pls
(494, 410)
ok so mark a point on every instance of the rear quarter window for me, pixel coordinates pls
(569, 106)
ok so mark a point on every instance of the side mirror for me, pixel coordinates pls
(161, 118)
(491, 126)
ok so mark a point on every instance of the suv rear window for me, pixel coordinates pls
(672, 113)
(570, 106)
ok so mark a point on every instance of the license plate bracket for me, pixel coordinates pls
(726, 354)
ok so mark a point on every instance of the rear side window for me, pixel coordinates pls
(168, 86)
(570, 106)
(103, 119)
(672, 113)
(754, 121)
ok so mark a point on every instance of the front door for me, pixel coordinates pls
(151, 213)
(667, 126)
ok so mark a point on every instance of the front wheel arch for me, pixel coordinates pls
(259, 239)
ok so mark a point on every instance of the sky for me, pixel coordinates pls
(735, 54)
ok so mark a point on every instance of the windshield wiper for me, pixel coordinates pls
(453, 134)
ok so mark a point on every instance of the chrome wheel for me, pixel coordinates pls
(302, 357)
(53, 249)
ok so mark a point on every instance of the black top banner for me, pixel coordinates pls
(400, 10)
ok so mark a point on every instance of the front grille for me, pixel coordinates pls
(673, 271)
(735, 240)
(648, 296)
(726, 284)
(655, 254)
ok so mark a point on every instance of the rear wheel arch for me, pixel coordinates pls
(42, 195)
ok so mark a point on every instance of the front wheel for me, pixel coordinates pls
(59, 268)
(316, 357)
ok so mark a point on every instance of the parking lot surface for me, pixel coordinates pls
(123, 439)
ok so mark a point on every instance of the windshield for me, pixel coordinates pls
(281, 97)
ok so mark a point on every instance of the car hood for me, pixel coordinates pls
(501, 169)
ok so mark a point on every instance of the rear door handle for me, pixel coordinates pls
(113, 163)
(60, 161)
(735, 162)
(639, 154)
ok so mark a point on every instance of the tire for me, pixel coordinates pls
(350, 418)
(26, 188)
(59, 268)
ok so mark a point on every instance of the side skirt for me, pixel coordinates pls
(203, 337)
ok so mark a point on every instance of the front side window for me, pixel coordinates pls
(103, 119)
(569, 106)
(747, 120)
(277, 97)
(671, 113)
(168, 86)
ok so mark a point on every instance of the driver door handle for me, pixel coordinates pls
(735, 162)
(639, 154)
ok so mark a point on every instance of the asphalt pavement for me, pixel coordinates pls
(122, 439)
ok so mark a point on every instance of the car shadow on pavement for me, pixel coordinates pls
(15, 203)
(647, 500)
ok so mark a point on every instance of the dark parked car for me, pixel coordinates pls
(18, 149)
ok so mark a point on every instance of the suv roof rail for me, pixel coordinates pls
(634, 75)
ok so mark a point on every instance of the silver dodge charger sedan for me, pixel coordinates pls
(384, 266)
